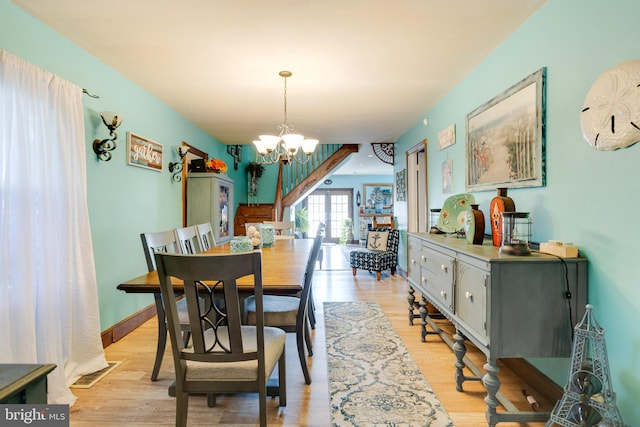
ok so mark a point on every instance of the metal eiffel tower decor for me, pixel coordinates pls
(588, 400)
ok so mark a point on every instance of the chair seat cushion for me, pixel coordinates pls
(274, 341)
(279, 310)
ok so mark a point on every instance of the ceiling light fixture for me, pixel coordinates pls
(287, 145)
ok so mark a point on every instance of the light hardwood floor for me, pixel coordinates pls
(128, 397)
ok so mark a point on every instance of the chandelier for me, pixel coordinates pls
(287, 146)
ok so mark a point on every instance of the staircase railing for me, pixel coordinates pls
(294, 173)
(295, 180)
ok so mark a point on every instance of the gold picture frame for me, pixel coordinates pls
(505, 138)
(378, 198)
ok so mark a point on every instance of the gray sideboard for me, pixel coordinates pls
(508, 306)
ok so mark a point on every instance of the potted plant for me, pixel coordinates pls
(346, 233)
(255, 171)
(302, 221)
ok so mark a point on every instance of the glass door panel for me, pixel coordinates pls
(330, 207)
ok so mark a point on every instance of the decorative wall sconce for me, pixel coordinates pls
(103, 147)
(358, 199)
(176, 167)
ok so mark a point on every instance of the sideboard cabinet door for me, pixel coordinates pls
(210, 199)
(471, 303)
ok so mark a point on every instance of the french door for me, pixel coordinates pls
(331, 206)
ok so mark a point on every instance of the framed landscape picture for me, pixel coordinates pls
(505, 138)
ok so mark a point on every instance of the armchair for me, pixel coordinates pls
(381, 252)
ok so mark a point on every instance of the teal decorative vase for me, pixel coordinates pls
(267, 235)
(240, 244)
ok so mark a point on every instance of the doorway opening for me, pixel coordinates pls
(417, 200)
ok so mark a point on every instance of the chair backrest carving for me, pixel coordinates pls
(216, 333)
(205, 235)
(188, 240)
(163, 241)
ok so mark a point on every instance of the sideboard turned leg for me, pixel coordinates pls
(491, 384)
(460, 350)
(423, 318)
(412, 301)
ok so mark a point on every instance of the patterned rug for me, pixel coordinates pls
(373, 380)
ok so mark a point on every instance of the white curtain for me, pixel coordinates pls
(48, 290)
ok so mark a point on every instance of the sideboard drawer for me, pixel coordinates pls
(414, 249)
(439, 290)
(439, 265)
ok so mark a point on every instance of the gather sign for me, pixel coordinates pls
(144, 152)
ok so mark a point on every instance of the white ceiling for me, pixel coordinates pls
(363, 70)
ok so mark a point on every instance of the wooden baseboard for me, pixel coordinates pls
(543, 384)
(122, 328)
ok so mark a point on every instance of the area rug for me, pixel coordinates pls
(89, 380)
(373, 380)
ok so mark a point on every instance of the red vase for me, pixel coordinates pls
(500, 203)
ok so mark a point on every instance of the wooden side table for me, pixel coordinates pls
(21, 383)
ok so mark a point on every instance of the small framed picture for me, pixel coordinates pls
(447, 137)
(447, 177)
(143, 152)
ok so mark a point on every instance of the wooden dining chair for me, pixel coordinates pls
(227, 356)
(188, 240)
(282, 229)
(292, 314)
(205, 236)
(384, 221)
(163, 241)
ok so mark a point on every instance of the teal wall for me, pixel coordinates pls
(590, 195)
(124, 200)
(588, 198)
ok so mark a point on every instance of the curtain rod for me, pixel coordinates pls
(87, 92)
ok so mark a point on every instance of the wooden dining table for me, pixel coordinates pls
(283, 266)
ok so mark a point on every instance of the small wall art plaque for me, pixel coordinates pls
(447, 137)
(144, 152)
